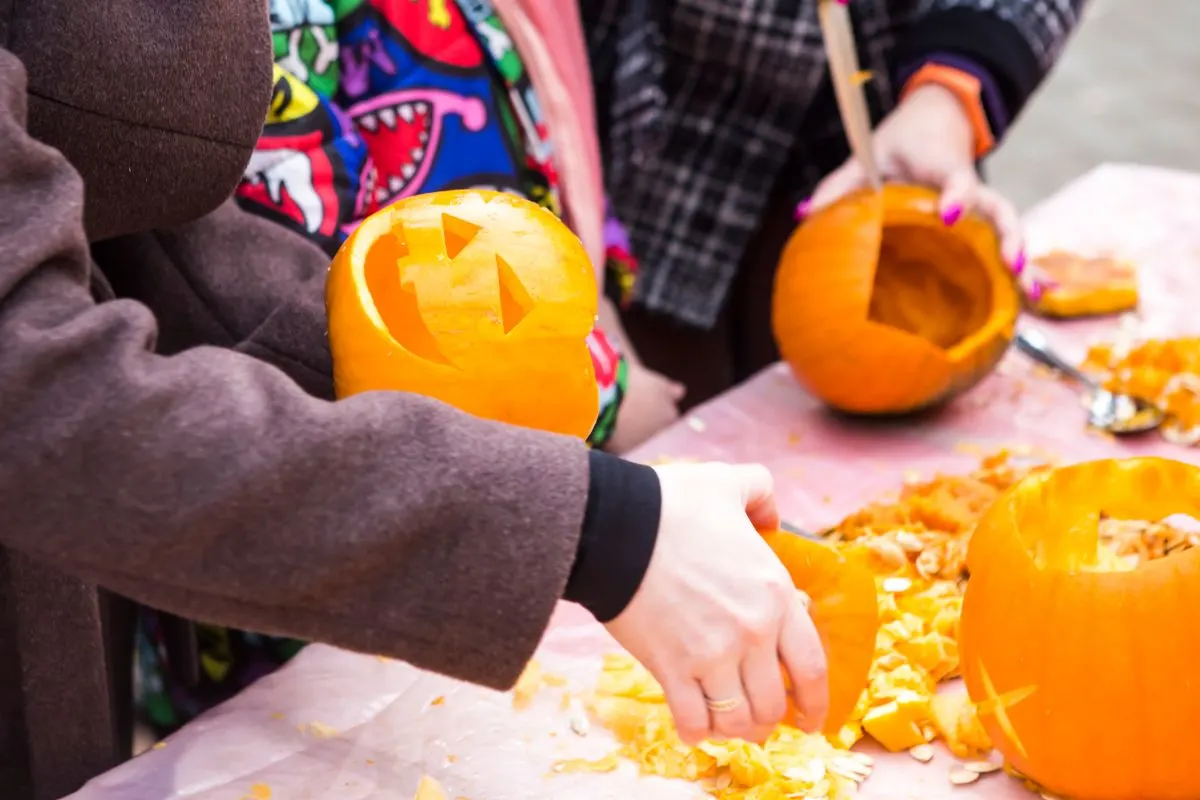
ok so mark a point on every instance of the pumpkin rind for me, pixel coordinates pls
(1086, 679)
(844, 609)
(823, 305)
(479, 299)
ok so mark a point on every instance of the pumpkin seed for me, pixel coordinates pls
(897, 585)
(922, 752)
(962, 777)
(982, 767)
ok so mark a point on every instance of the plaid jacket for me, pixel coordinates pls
(702, 103)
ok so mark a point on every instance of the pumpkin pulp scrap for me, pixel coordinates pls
(880, 308)
(1165, 372)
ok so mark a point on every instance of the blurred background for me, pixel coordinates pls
(1122, 92)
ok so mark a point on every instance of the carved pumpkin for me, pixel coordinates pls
(479, 299)
(1085, 679)
(880, 308)
(844, 609)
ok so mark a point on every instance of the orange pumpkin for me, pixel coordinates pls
(880, 308)
(480, 299)
(844, 610)
(1085, 679)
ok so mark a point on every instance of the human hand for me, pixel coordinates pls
(928, 140)
(717, 613)
(650, 404)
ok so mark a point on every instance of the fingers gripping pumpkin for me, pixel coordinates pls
(479, 299)
(844, 610)
(1085, 679)
(880, 308)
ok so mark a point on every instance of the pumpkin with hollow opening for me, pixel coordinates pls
(1082, 668)
(879, 308)
(479, 299)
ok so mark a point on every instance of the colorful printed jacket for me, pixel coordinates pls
(377, 100)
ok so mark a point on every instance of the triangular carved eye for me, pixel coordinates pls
(515, 302)
(458, 234)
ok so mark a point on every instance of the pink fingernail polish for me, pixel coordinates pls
(803, 208)
(1019, 264)
(1036, 291)
(844, 2)
(951, 215)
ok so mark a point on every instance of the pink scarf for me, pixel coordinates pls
(549, 37)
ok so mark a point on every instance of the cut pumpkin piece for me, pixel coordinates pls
(429, 789)
(843, 606)
(1073, 285)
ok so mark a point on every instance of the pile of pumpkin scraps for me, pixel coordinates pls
(791, 764)
(1165, 372)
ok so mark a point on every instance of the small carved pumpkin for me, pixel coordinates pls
(479, 299)
(880, 308)
(844, 609)
(1085, 679)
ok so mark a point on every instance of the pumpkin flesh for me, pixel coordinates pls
(1082, 670)
(881, 309)
(844, 610)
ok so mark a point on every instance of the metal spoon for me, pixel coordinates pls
(1116, 413)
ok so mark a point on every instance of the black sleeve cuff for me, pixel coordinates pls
(986, 39)
(620, 527)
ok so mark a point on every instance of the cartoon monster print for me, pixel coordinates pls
(427, 32)
(310, 168)
(404, 131)
(305, 41)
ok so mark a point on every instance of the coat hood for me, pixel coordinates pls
(157, 103)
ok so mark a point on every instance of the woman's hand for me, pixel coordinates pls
(717, 613)
(651, 404)
(928, 140)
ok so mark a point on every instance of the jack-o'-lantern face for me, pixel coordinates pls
(479, 299)
(1083, 673)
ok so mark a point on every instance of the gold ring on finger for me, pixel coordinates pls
(723, 706)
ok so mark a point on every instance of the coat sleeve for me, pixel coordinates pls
(1015, 42)
(209, 484)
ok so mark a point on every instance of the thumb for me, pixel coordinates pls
(676, 390)
(757, 488)
(837, 184)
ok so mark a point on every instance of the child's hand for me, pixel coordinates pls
(928, 140)
(650, 405)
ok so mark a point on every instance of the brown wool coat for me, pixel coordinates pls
(160, 445)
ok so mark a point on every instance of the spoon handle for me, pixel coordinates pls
(1034, 344)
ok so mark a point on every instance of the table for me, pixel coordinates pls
(334, 724)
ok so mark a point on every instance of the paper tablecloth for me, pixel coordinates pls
(338, 725)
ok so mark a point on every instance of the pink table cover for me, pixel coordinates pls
(334, 724)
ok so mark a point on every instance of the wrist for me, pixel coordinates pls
(955, 97)
(620, 529)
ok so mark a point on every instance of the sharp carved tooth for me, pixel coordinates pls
(418, 153)
(408, 170)
(406, 112)
(395, 184)
(381, 194)
(422, 108)
(388, 117)
(369, 121)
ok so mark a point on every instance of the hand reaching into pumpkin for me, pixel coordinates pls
(928, 140)
(717, 612)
